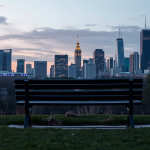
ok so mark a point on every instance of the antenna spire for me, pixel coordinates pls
(145, 22)
(78, 38)
(119, 30)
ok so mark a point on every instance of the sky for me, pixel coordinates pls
(36, 30)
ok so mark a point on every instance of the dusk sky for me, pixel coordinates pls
(36, 30)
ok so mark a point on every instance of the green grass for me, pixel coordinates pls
(69, 139)
(85, 139)
(84, 120)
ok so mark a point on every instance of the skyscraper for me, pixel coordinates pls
(126, 61)
(145, 49)
(109, 64)
(72, 71)
(20, 65)
(84, 61)
(28, 68)
(77, 58)
(40, 69)
(105, 65)
(134, 62)
(98, 56)
(61, 66)
(5, 60)
(30, 71)
(52, 71)
(90, 69)
(119, 55)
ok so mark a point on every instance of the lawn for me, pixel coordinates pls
(84, 120)
(69, 139)
(85, 139)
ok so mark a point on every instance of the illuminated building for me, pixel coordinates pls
(77, 58)
(61, 66)
(5, 60)
(98, 56)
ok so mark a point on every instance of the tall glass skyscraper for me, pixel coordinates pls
(52, 71)
(20, 65)
(77, 58)
(119, 55)
(134, 62)
(84, 61)
(61, 66)
(126, 61)
(109, 64)
(5, 60)
(144, 49)
(98, 57)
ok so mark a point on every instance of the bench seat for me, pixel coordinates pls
(125, 102)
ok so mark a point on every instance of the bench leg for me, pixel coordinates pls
(26, 121)
(131, 120)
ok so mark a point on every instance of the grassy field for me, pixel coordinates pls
(69, 139)
(84, 120)
(85, 139)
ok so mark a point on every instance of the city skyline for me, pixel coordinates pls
(35, 38)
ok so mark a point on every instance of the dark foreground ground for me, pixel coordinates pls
(84, 139)
(73, 139)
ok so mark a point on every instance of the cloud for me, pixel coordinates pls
(32, 54)
(90, 25)
(2, 6)
(43, 43)
(126, 28)
(134, 19)
(3, 20)
(141, 16)
(137, 18)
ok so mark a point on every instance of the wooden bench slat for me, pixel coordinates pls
(79, 97)
(77, 81)
(80, 86)
(80, 92)
(135, 102)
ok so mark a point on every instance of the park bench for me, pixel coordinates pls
(31, 92)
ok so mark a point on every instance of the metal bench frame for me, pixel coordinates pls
(32, 92)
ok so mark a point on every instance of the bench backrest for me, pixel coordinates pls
(78, 89)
